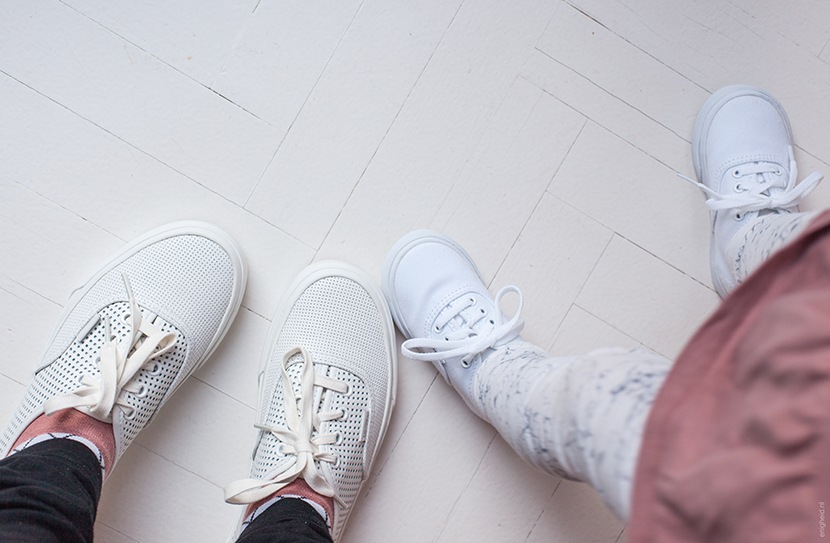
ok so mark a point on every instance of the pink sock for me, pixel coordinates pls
(72, 421)
(298, 487)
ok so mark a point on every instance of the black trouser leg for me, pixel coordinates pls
(287, 521)
(49, 493)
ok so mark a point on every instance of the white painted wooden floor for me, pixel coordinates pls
(543, 135)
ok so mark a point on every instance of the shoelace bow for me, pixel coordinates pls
(98, 397)
(756, 189)
(296, 438)
(466, 342)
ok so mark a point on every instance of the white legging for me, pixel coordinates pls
(582, 417)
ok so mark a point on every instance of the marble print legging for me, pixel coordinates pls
(582, 417)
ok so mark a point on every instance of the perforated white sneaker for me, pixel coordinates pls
(136, 330)
(743, 157)
(327, 387)
(439, 301)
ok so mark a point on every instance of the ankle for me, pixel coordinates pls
(297, 489)
(760, 238)
(71, 422)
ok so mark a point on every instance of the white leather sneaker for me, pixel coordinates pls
(327, 386)
(131, 335)
(439, 302)
(743, 158)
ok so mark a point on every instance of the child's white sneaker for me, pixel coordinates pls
(743, 157)
(439, 302)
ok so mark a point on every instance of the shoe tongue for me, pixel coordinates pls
(480, 326)
(466, 316)
(761, 180)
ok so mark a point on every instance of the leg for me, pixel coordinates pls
(327, 389)
(287, 521)
(760, 238)
(737, 444)
(576, 417)
(49, 493)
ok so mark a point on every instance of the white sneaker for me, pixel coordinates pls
(440, 302)
(331, 354)
(133, 333)
(743, 157)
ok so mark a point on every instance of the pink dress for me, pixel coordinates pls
(737, 445)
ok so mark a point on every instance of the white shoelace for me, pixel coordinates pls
(296, 439)
(755, 183)
(467, 342)
(98, 397)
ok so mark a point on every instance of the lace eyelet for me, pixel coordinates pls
(465, 363)
(344, 414)
(446, 339)
(492, 321)
(472, 300)
(739, 188)
(156, 369)
(777, 172)
(738, 217)
(336, 463)
(129, 415)
(437, 329)
(483, 311)
(338, 438)
(736, 173)
(142, 392)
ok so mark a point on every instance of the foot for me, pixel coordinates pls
(743, 157)
(439, 301)
(327, 388)
(131, 335)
